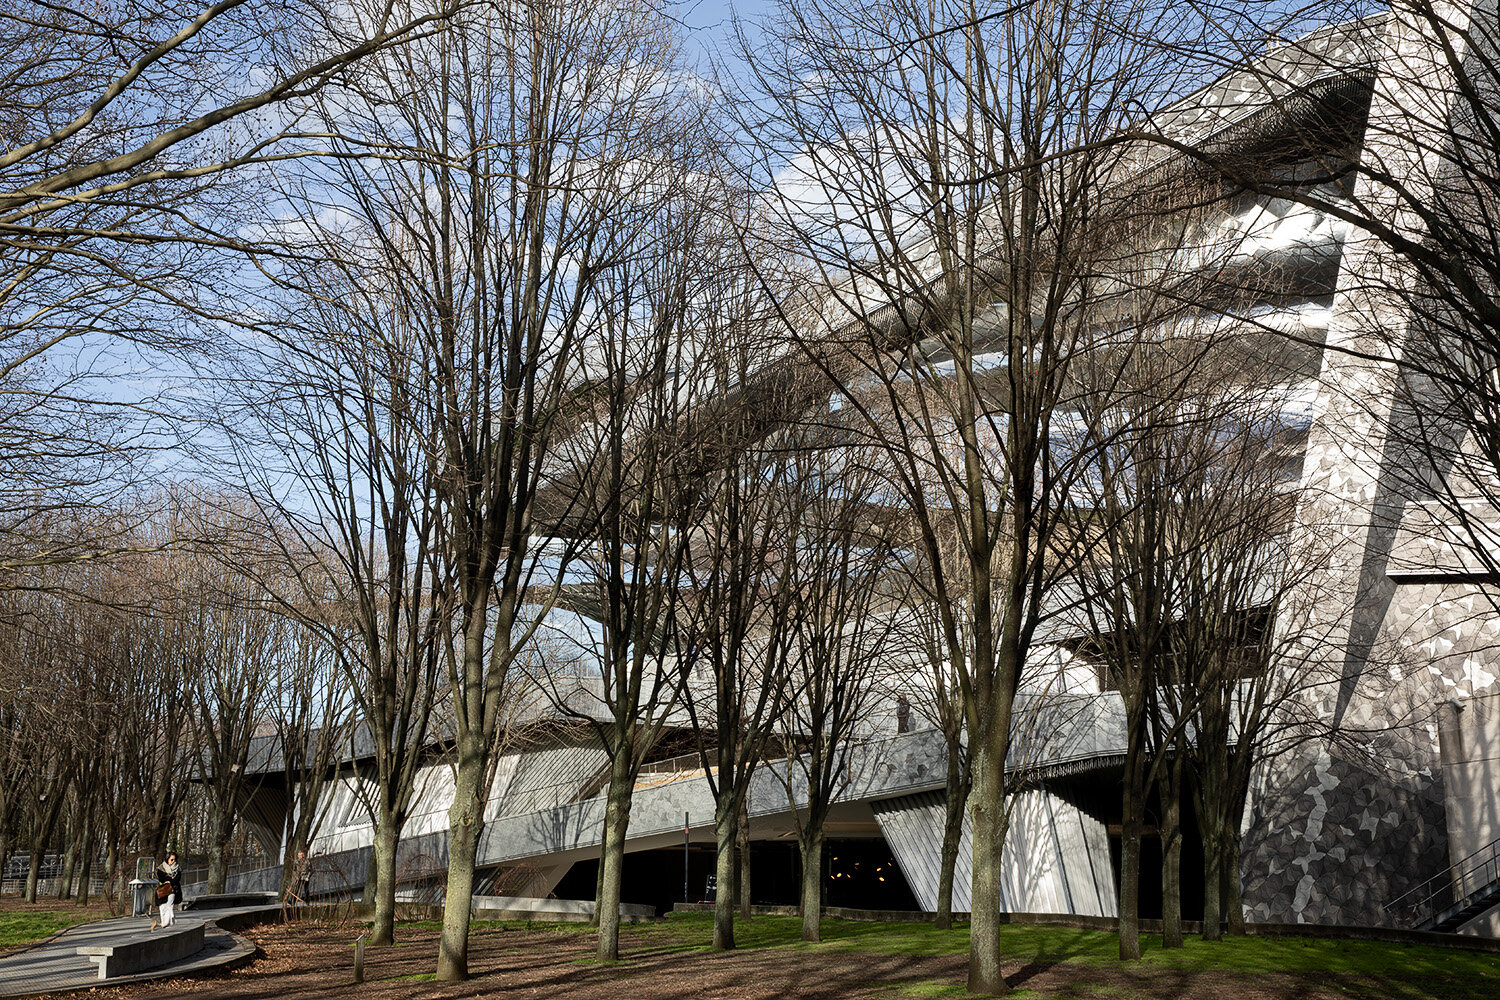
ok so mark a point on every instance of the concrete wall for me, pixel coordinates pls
(1469, 735)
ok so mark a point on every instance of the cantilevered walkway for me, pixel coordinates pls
(887, 784)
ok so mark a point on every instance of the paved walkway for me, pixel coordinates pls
(55, 965)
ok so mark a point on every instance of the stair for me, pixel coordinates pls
(1455, 896)
(1465, 909)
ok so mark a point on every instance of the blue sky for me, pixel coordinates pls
(708, 22)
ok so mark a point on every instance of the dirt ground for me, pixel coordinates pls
(301, 961)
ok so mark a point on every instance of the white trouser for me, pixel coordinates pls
(166, 910)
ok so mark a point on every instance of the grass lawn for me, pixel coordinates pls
(22, 923)
(1079, 963)
(1363, 965)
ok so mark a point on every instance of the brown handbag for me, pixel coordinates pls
(163, 891)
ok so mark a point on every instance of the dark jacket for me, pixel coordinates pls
(175, 881)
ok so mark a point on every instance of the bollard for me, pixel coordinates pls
(359, 959)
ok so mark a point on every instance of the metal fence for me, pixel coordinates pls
(48, 887)
(50, 872)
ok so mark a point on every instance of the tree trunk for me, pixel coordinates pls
(31, 875)
(46, 821)
(612, 854)
(1213, 880)
(1130, 851)
(725, 824)
(742, 851)
(155, 829)
(288, 860)
(1233, 903)
(1211, 820)
(381, 882)
(1211, 794)
(111, 869)
(221, 832)
(466, 823)
(86, 868)
(1234, 907)
(988, 820)
(599, 870)
(603, 847)
(1171, 856)
(811, 843)
(956, 798)
(70, 863)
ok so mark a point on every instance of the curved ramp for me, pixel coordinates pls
(70, 960)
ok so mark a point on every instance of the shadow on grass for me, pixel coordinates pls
(672, 960)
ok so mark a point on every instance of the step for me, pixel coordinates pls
(149, 951)
(1467, 909)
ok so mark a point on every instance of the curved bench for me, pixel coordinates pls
(148, 952)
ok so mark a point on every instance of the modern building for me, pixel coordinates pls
(1394, 822)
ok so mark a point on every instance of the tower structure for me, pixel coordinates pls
(1402, 612)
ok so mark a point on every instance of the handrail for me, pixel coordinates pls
(1465, 877)
(672, 765)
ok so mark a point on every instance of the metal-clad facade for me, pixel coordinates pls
(913, 828)
(541, 779)
(1056, 856)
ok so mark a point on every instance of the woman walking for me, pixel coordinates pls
(169, 874)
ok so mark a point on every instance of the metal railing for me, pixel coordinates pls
(195, 876)
(267, 878)
(50, 875)
(1427, 901)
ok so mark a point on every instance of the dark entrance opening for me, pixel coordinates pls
(1099, 794)
(859, 873)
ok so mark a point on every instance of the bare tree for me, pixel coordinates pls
(635, 504)
(16, 709)
(129, 130)
(734, 643)
(1158, 446)
(939, 697)
(507, 330)
(946, 185)
(48, 681)
(1241, 618)
(846, 610)
(154, 720)
(516, 144)
(1189, 575)
(237, 646)
(1398, 480)
(66, 696)
(330, 418)
(314, 718)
